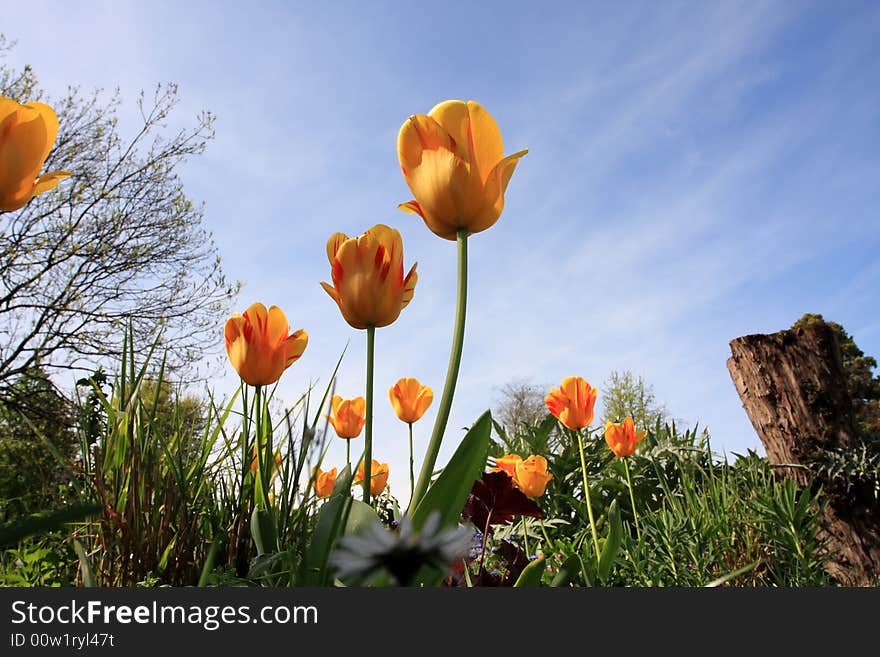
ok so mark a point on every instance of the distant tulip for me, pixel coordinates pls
(349, 416)
(378, 476)
(368, 281)
(27, 134)
(410, 399)
(573, 402)
(324, 482)
(531, 476)
(622, 438)
(453, 161)
(507, 464)
(259, 346)
(254, 459)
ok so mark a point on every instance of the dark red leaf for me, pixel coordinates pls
(494, 500)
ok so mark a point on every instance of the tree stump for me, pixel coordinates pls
(793, 388)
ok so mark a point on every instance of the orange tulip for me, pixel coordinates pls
(368, 281)
(378, 476)
(453, 161)
(349, 416)
(27, 134)
(507, 464)
(324, 482)
(573, 402)
(259, 346)
(410, 399)
(622, 438)
(254, 459)
(531, 476)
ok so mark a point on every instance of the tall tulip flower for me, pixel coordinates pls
(531, 476)
(348, 418)
(452, 159)
(370, 289)
(368, 282)
(572, 404)
(259, 345)
(622, 439)
(27, 134)
(378, 476)
(410, 399)
(324, 482)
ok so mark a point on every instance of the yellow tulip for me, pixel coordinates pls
(349, 416)
(453, 161)
(259, 346)
(531, 476)
(368, 281)
(27, 134)
(378, 476)
(410, 399)
(324, 482)
(622, 438)
(507, 463)
(573, 402)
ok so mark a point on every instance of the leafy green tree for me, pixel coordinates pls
(625, 395)
(117, 242)
(863, 384)
(37, 444)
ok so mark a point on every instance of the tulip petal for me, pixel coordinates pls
(24, 141)
(296, 344)
(420, 133)
(49, 180)
(411, 207)
(50, 125)
(453, 117)
(485, 137)
(277, 326)
(258, 318)
(409, 286)
(333, 244)
(436, 182)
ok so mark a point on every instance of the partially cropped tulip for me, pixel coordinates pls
(531, 476)
(507, 463)
(254, 458)
(259, 346)
(453, 161)
(368, 281)
(410, 399)
(324, 482)
(573, 402)
(349, 416)
(27, 134)
(378, 476)
(622, 438)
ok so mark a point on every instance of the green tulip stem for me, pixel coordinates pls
(632, 499)
(368, 435)
(445, 405)
(587, 494)
(348, 454)
(525, 536)
(412, 478)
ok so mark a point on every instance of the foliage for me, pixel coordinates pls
(36, 439)
(862, 383)
(624, 396)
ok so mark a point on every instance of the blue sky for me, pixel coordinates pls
(696, 172)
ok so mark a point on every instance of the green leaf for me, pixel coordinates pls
(612, 542)
(449, 492)
(332, 520)
(531, 574)
(263, 530)
(568, 571)
(43, 523)
(84, 564)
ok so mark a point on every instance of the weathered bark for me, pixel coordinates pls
(793, 388)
